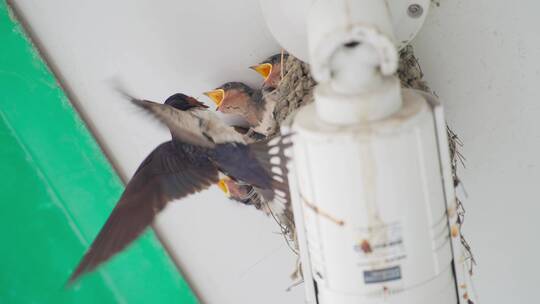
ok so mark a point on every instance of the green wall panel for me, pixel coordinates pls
(56, 191)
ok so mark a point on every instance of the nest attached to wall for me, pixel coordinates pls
(296, 90)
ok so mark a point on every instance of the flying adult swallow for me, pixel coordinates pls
(202, 148)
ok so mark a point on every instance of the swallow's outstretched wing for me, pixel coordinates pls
(184, 125)
(172, 171)
(197, 127)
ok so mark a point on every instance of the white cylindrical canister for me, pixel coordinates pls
(374, 208)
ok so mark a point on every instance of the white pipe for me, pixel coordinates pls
(354, 35)
(344, 109)
(367, 169)
(286, 20)
(373, 206)
(354, 59)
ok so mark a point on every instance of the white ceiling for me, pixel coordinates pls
(230, 253)
(480, 56)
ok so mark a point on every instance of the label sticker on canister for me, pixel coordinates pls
(382, 275)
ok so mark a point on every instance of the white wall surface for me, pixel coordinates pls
(480, 56)
(230, 253)
(482, 59)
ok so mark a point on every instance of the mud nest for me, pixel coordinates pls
(296, 90)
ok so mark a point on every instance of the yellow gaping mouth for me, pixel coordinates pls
(264, 69)
(217, 96)
(222, 184)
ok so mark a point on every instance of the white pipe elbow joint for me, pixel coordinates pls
(353, 57)
(351, 43)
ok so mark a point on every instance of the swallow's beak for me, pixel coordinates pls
(264, 69)
(222, 184)
(217, 96)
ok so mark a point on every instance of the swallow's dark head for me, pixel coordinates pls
(183, 102)
(234, 98)
(270, 69)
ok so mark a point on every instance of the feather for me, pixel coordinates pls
(183, 125)
(170, 172)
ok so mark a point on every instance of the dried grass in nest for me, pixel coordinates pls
(296, 90)
(411, 76)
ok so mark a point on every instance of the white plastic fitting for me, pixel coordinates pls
(370, 199)
(369, 181)
(353, 57)
(359, 31)
(369, 105)
(286, 20)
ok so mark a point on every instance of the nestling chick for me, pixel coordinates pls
(240, 99)
(202, 148)
(246, 194)
(278, 208)
(239, 192)
(255, 106)
(271, 70)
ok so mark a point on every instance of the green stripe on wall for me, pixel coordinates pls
(56, 191)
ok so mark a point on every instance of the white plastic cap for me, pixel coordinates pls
(344, 109)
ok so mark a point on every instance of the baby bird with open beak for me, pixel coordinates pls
(240, 99)
(278, 208)
(271, 70)
(255, 106)
(240, 192)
